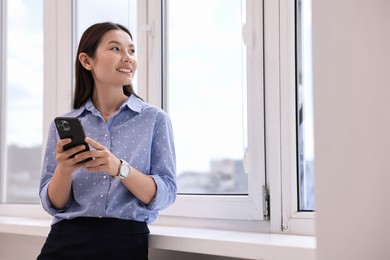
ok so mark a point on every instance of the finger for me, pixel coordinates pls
(95, 162)
(100, 168)
(94, 144)
(94, 165)
(61, 143)
(85, 155)
(72, 151)
(95, 153)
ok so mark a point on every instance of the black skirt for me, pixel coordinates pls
(96, 238)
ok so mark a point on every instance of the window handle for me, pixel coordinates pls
(246, 36)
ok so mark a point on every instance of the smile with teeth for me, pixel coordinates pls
(123, 70)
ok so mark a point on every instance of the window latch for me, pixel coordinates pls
(266, 204)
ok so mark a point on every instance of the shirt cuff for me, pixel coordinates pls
(46, 204)
(164, 197)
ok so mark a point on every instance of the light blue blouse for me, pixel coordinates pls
(138, 133)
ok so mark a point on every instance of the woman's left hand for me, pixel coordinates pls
(104, 160)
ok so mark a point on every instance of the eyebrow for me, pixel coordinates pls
(116, 42)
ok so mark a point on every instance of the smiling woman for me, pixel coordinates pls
(21, 101)
(132, 174)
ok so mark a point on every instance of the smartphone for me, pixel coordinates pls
(70, 127)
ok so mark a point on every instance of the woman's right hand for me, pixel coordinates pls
(67, 163)
(59, 190)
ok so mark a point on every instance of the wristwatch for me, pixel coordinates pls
(124, 169)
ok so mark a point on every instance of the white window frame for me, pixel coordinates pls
(224, 208)
(280, 87)
(2, 96)
(274, 126)
(57, 79)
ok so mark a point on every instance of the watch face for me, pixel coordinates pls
(125, 169)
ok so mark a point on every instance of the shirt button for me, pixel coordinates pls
(101, 195)
(105, 136)
(105, 177)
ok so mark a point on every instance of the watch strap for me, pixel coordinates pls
(119, 168)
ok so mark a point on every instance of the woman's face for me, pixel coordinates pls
(114, 63)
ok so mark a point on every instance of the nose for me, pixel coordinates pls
(127, 58)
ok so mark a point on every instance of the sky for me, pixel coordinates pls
(205, 80)
(24, 73)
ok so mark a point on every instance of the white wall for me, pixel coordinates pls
(352, 128)
(19, 247)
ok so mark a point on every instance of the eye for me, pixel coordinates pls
(132, 51)
(115, 49)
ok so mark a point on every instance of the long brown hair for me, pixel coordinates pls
(88, 44)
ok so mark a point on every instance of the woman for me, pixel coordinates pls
(101, 207)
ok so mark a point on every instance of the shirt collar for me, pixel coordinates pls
(133, 102)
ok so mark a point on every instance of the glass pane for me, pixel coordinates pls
(89, 12)
(23, 101)
(305, 106)
(206, 94)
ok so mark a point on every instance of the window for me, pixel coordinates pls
(206, 94)
(221, 69)
(213, 90)
(288, 39)
(22, 100)
(305, 105)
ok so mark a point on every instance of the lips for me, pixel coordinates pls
(124, 70)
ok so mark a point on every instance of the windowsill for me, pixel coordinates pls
(244, 245)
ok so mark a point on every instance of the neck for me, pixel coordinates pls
(108, 102)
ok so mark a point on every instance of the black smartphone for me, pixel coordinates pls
(70, 127)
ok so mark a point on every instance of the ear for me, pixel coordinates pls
(85, 60)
